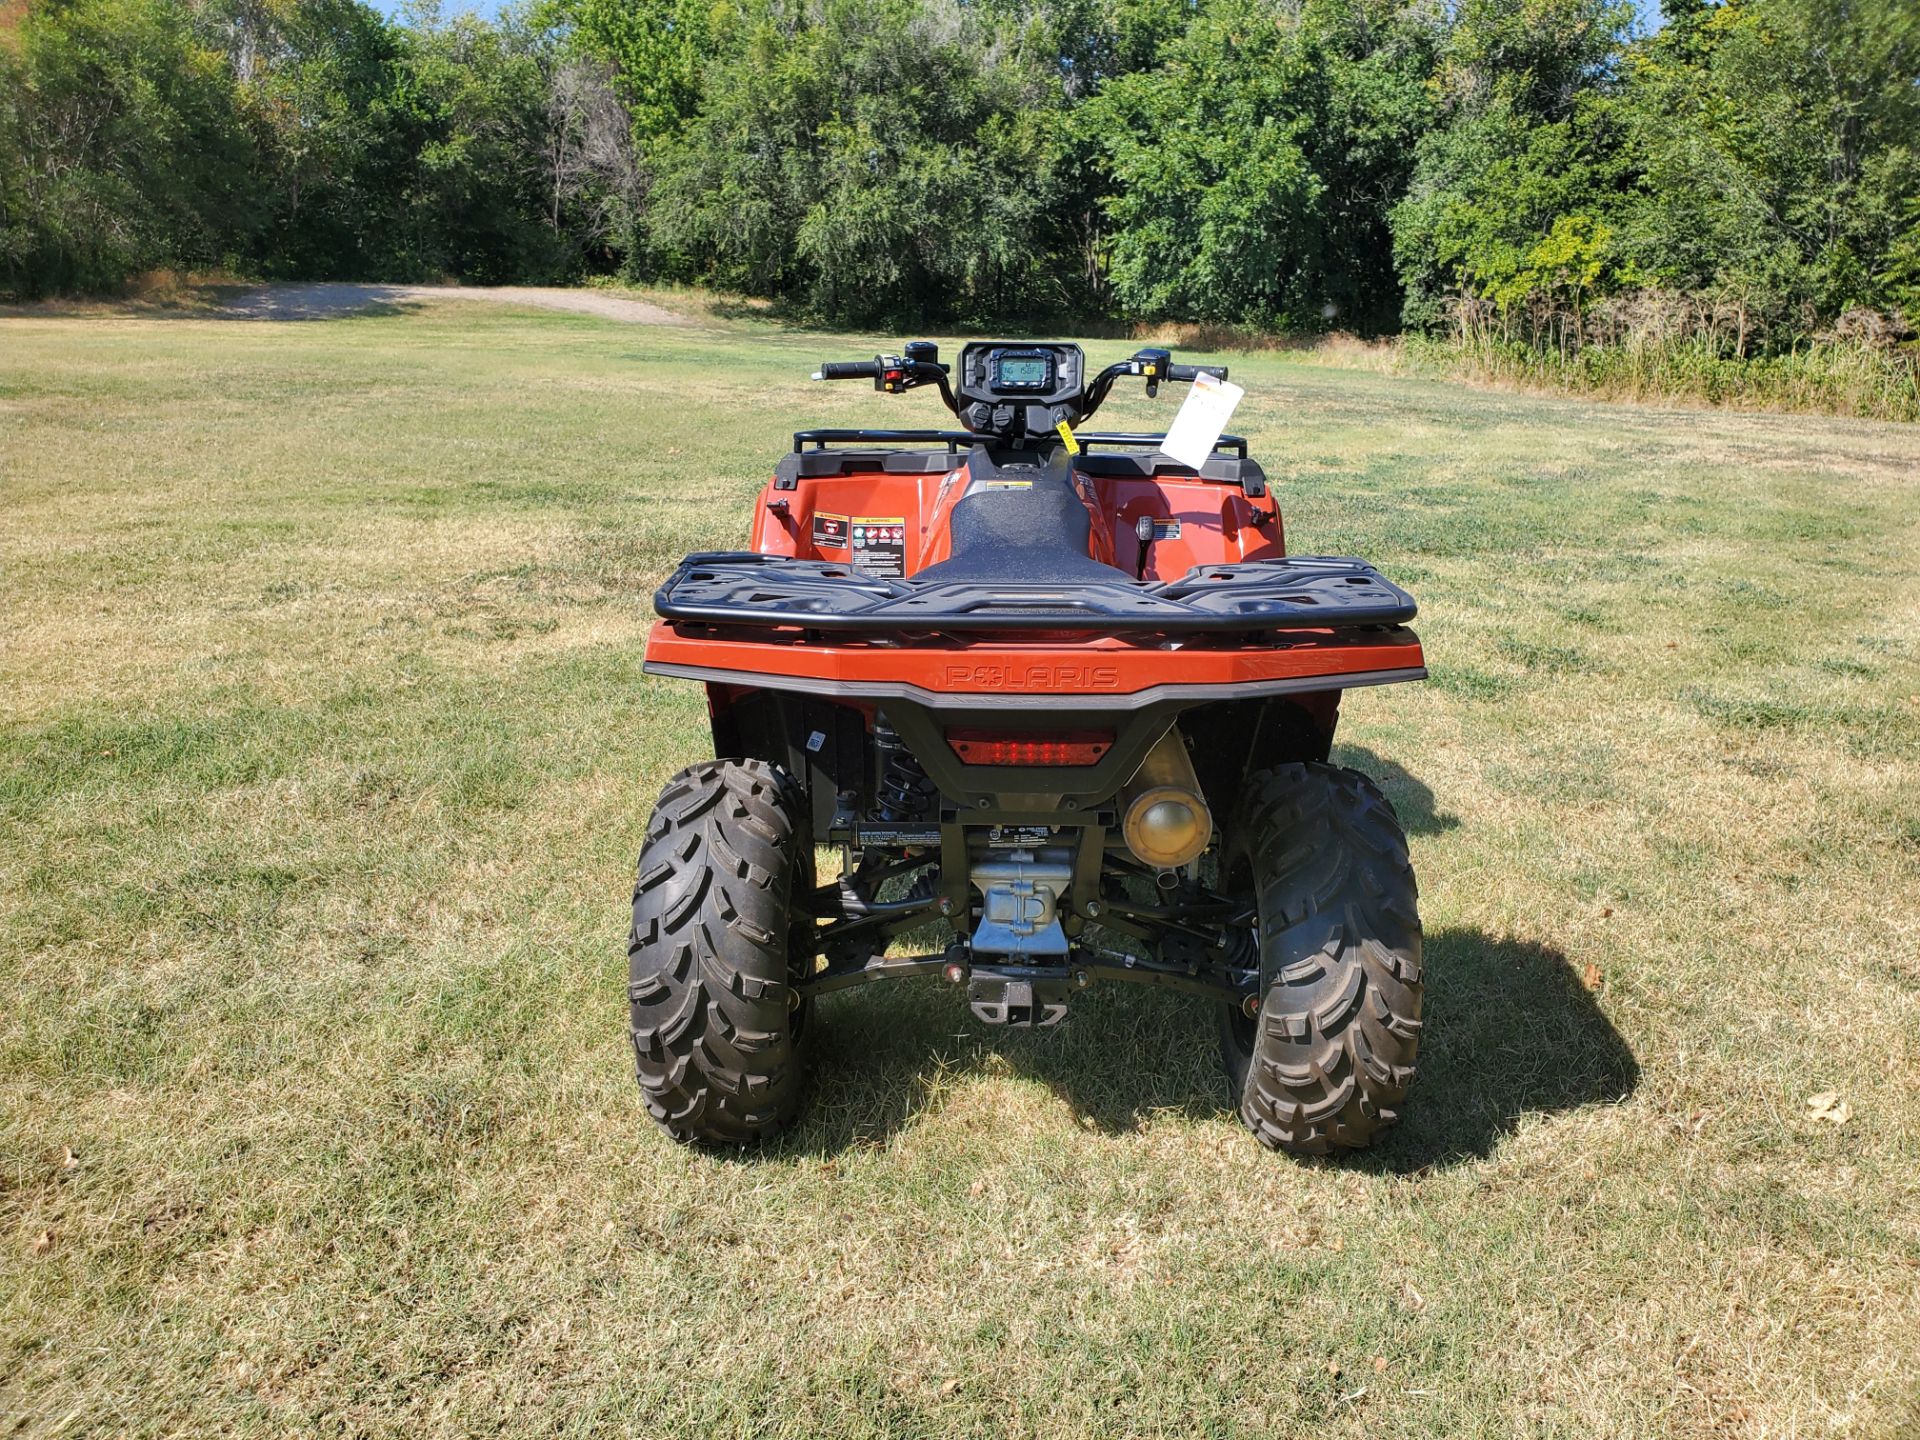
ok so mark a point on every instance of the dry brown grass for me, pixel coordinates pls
(324, 754)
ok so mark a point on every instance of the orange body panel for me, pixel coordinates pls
(1198, 522)
(1092, 667)
(1217, 524)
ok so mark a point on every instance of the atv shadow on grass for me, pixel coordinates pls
(1410, 797)
(1510, 1031)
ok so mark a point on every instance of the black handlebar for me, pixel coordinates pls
(892, 373)
(870, 370)
(920, 366)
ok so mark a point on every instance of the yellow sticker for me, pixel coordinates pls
(1004, 485)
(1066, 436)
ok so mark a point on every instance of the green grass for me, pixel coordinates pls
(325, 751)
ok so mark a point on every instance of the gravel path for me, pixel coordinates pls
(325, 301)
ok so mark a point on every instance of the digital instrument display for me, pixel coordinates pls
(1015, 371)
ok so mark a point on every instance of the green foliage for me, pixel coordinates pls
(1776, 142)
(295, 137)
(1744, 178)
(1537, 58)
(1902, 273)
(334, 161)
(470, 106)
(121, 147)
(1213, 203)
(1487, 193)
(1243, 167)
(880, 158)
(1757, 157)
(658, 49)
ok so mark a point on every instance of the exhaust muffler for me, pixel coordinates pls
(1165, 821)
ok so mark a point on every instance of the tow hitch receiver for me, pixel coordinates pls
(1023, 998)
(1020, 923)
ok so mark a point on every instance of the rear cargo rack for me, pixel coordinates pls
(1297, 593)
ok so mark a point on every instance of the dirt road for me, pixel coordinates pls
(325, 301)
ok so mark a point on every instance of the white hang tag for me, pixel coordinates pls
(1202, 419)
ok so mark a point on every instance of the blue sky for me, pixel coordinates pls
(488, 8)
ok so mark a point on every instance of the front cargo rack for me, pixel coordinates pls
(814, 456)
(1296, 593)
(959, 440)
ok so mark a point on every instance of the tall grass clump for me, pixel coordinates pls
(1660, 348)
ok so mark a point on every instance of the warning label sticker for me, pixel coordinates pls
(880, 544)
(829, 531)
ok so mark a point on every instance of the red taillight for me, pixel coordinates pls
(1058, 747)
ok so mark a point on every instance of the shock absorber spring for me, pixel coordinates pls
(904, 792)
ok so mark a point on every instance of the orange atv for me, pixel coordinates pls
(1058, 700)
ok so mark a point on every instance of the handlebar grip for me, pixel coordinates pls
(1187, 372)
(849, 370)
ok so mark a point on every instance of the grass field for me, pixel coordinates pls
(325, 751)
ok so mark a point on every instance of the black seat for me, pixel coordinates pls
(1035, 534)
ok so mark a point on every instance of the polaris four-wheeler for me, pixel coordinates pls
(1056, 699)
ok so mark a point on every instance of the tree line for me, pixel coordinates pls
(1546, 173)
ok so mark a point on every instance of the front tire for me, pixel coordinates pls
(1325, 1065)
(715, 952)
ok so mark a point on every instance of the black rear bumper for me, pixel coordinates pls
(1297, 593)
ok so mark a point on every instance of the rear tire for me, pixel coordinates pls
(1326, 1064)
(715, 952)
